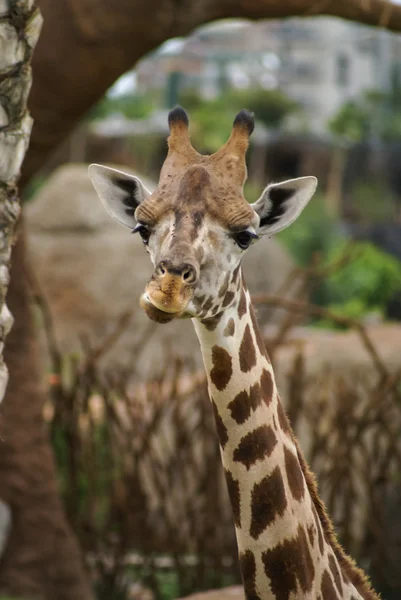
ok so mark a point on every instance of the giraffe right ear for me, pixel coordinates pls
(281, 203)
(120, 193)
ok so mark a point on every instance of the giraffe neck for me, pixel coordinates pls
(286, 545)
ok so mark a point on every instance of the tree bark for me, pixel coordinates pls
(19, 31)
(41, 558)
(38, 554)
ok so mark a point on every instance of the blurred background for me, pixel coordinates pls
(123, 401)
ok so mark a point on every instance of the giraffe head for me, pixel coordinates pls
(197, 224)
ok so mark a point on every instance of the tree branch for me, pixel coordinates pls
(87, 44)
(379, 13)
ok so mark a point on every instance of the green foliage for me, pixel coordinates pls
(136, 106)
(252, 191)
(314, 233)
(211, 120)
(352, 121)
(271, 107)
(362, 286)
(32, 189)
(372, 201)
(365, 284)
(16, 598)
(211, 125)
(373, 113)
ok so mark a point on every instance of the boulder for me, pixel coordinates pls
(91, 270)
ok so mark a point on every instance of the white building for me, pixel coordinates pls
(320, 62)
(327, 61)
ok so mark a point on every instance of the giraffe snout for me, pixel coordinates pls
(187, 271)
(170, 289)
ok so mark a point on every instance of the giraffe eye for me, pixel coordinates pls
(244, 239)
(143, 231)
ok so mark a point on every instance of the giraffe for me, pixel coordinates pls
(196, 226)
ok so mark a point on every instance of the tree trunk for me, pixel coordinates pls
(19, 31)
(38, 554)
(41, 557)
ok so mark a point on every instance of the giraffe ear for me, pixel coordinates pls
(120, 193)
(281, 203)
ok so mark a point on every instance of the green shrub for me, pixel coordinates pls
(372, 201)
(364, 285)
(367, 282)
(211, 120)
(137, 106)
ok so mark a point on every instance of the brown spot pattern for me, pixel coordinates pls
(266, 383)
(199, 301)
(294, 475)
(247, 565)
(240, 407)
(221, 428)
(255, 445)
(235, 497)
(244, 403)
(235, 274)
(288, 565)
(335, 571)
(267, 502)
(242, 304)
(229, 329)
(255, 396)
(208, 304)
(224, 287)
(212, 322)
(247, 354)
(258, 335)
(228, 299)
(328, 591)
(282, 417)
(222, 367)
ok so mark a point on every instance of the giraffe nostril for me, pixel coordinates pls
(161, 269)
(189, 275)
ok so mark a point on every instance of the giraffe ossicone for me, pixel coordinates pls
(196, 226)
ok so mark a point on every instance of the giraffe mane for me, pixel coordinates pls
(356, 575)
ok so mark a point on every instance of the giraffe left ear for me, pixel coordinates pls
(281, 203)
(120, 193)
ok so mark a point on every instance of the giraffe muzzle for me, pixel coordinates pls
(169, 291)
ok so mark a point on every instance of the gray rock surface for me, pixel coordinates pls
(91, 270)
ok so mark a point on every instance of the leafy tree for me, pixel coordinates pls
(373, 114)
(270, 106)
(137, 106)
(352, 121)
(211, 120)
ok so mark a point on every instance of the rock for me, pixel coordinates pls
(339, 353)
(91, 270)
